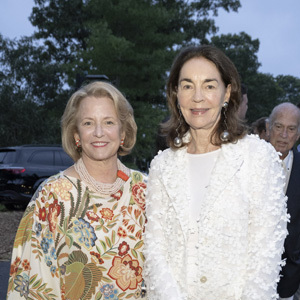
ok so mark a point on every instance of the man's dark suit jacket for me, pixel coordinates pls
(290, 280)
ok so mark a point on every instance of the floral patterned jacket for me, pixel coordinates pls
(241, 229)
(73, 244)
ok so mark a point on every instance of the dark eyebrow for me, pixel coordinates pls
(205, 81)
(185, 79)
(211, 79)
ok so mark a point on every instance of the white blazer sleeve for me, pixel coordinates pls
(267, 227)
(160, 282)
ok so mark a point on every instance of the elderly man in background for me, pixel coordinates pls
(283, 129)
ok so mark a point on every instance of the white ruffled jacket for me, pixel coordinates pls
(241, 231)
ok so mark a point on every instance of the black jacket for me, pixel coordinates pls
(290, 280)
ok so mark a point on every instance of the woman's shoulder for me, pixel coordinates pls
(138, 175)
(168, 155)
(254, 144)
(258, 150)
(52, 179)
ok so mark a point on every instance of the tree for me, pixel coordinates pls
(133, 42)
(290, 86)
(242, 50)
(30, 85)
(263, 95)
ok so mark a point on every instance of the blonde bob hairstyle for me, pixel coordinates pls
(124, 112)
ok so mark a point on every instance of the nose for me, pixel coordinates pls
(197, 97)
(284, 133)
(98, 130)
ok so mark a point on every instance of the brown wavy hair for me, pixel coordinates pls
(123, 108)
(235, 126)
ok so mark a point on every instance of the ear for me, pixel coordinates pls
(76, 136)
(227, 93)
(122, 136)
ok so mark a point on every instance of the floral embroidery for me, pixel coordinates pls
(48, 260)
(126, 272)
(117, 195)
(54, 211)
(42, 214)
(123, 248)
(45, 245)
(26, 265)
(122, 233)
(22, 286)
(86, 233)
(38, 229)
(138, 194)
(14, 266)
(98, 256)
(109, 292)
(62, 188)
(92, 216)
(53, 253)
(107, 213)
(54, 271)
(72, 238)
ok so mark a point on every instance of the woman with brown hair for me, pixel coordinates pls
(215, 204)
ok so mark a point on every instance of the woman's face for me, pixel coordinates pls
(98, 129)
(201, 94)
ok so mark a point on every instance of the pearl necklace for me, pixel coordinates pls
(102, 188)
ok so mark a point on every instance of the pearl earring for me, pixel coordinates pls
(178, 140)
(224, 136)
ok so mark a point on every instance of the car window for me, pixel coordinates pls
(7, 156)
(57, 158)
(42, 158)
(63, 160)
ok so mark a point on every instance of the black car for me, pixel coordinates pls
(24, 168)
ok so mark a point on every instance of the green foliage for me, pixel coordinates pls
(242, 50)
(263, 95)
(31, 94)
(264, 91)
(290, 88)
(147, 117)
(133, 42)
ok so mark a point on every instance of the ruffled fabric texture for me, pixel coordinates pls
(241, 227)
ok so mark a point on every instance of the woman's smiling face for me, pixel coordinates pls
(201, 93)
(98, 129)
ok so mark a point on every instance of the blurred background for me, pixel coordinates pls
(48, 48)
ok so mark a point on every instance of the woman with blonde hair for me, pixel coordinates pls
(81, 234)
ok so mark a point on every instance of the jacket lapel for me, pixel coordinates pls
(175, 180)
(227, 165)
(176, 184)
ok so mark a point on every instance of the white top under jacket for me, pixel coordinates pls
(241, 229)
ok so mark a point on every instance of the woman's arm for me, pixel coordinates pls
(267, 226)
(160, 282)
(34, 271)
